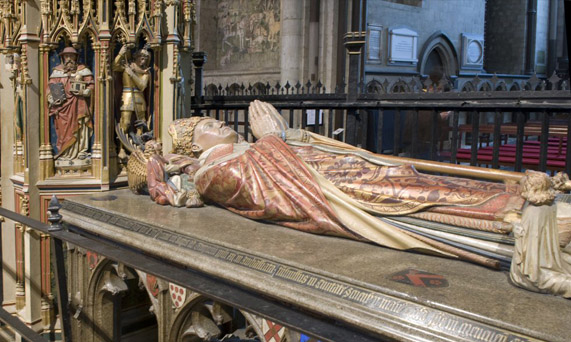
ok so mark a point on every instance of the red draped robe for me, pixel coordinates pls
(272, 181)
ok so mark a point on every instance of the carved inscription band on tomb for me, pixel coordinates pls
(424, 318)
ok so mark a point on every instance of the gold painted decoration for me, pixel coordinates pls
(96, 29)
(189, 16)
(10, 24)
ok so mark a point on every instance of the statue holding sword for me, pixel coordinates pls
(135, 79)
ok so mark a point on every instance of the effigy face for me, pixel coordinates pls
(194, 135)
(211, 132)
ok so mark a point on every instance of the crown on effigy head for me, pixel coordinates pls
(182, 133)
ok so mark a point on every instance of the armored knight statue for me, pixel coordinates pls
(69, 98)
(311, 183)
(135, 77)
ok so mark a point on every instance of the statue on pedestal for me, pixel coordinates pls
(69, 98)
(135, 77)
(311, 183)
(18, 84)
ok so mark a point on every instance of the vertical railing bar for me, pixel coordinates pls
(434, 134)
(454, 146)
(475, 137)
(303, 118)
(344, 117)
(55, 218)
(568, 150)
(351, 126)
(497, 139)
(544, 141)
(364, 115)
(330, 123)
(217, 113)
(519, 141)
(316, 126)
(246, 123)
(235, 119)
(226, 117)
(291, 118)
(396, 137)
(380, 131)
(414, 133)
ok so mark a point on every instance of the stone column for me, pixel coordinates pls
(531, 31)
(166, 112)
(313, 53)
(563, 61)
(32, 274)
(330, 40)
(32, 87)
(552, 42)
(7, 170)
(291, 41)
(354, 43)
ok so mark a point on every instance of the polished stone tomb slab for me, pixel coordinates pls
(392, 294)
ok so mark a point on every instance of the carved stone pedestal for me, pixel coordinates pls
(78, 167)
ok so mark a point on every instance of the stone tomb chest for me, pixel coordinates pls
(382, 293)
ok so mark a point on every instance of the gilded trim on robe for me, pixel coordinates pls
(401, 190)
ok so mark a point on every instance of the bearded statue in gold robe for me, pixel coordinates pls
(311, 183)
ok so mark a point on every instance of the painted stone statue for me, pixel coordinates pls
(18, 81)
(135, 77)
(69, 98)
(308, 182)
(16, 77)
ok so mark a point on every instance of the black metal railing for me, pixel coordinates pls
(479, 109)
(57, 234)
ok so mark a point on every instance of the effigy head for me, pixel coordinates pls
(182, 133)
(194, 135)
(536, 187)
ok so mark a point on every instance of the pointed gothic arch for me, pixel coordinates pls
(438, 52)
(110, 286)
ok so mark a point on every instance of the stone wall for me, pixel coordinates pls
(240, 36)
(426, 18)
(505, 36)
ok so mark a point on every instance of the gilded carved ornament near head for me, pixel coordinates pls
(182, 133)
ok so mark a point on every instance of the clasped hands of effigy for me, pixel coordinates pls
(315, 184)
